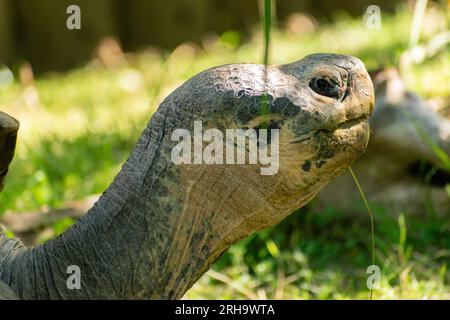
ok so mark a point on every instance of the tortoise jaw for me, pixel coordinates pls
(341, 146)
(352, 122)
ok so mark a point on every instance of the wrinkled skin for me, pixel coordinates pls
(160, 226)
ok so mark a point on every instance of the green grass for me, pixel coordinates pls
(84, 123)
(325, 256)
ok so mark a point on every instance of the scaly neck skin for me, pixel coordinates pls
(159, 226)
(152, 234)
(122, 246)
(116, 245)
(155, 230)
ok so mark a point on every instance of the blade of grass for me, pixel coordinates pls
(372, 227)
(427, 139)
(440, 154)
(267, 24)
(417, 22)
(232, 284)
(402, 238)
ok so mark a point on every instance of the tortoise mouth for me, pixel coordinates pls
(348, 125)
(354, 133)
(351, 122)
(344, 144)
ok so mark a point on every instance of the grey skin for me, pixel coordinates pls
(160, 226)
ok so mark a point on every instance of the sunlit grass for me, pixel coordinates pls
(325, 257)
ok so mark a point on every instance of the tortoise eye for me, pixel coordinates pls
(325, 87)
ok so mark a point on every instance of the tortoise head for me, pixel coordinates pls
(333, 97)
(318, 108)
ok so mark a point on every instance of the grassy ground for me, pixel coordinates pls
(78, 128)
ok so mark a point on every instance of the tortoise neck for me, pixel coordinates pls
(144, 238)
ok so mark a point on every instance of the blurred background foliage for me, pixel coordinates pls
(34, 30)
(78, 126)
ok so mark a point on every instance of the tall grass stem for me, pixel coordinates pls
(372, 227)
